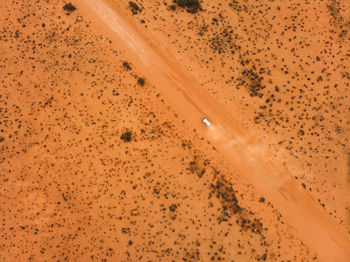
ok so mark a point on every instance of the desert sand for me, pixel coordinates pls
(104, 155)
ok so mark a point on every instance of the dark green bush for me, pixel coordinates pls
(141, 81)
(69, 7)
(126, 136)
(134, 7)
(193, 6)
(172, 7)
(126, 65)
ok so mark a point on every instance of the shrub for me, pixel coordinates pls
(126, 65)
(141, 81)
(126, 136)
(134, 7)
(69, 7)
(193, 6)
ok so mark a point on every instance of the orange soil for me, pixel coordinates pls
(73, 189)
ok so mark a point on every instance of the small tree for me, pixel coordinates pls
(141, 81)
(69, 7)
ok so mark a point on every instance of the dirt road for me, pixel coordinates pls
(242, 152)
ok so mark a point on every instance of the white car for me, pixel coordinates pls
(206, 122)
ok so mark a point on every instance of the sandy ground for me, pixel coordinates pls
(74, 188)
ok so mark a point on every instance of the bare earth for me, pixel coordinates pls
(97, 165)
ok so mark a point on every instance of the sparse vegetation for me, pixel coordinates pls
(135, 9)
(195, 168)
(172, 7)
(134, 158)
(253, 82)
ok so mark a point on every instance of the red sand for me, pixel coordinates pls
(74, 190)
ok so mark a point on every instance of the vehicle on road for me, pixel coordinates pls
(206, 122)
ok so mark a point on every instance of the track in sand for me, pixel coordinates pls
(243, 153)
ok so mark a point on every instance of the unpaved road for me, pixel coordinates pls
(315, 228)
